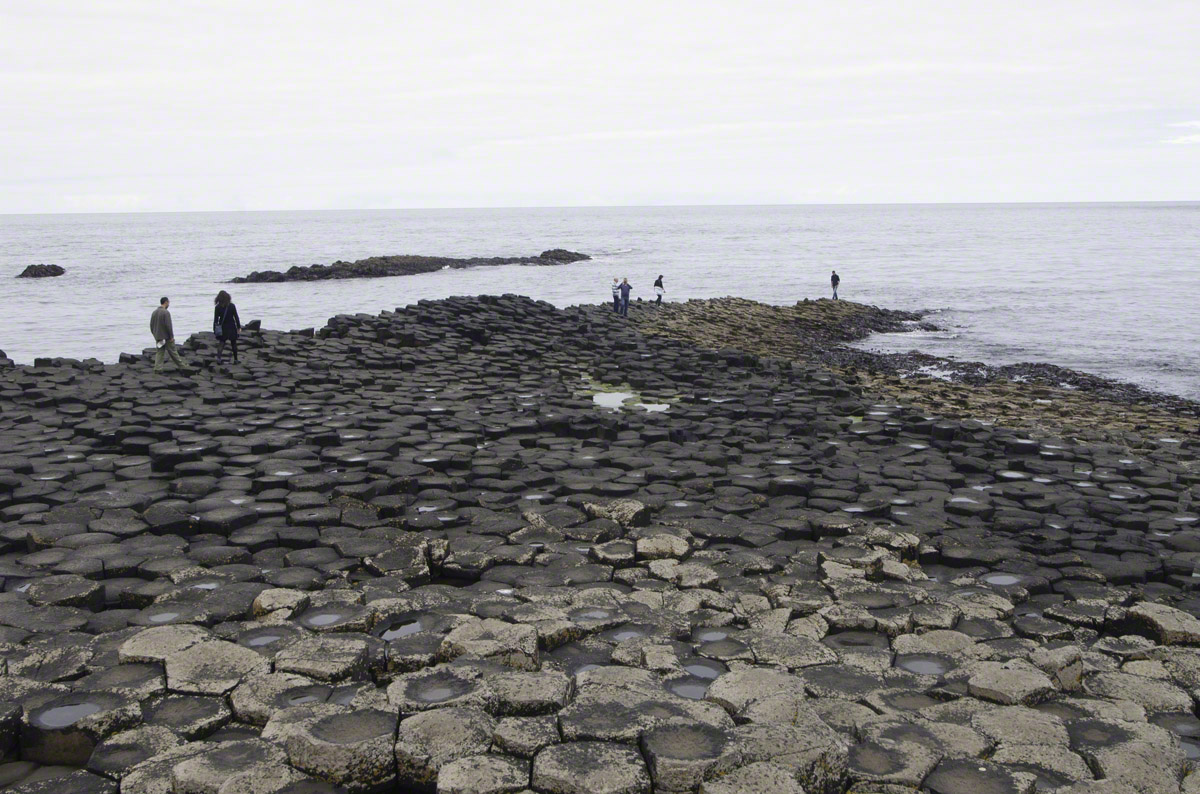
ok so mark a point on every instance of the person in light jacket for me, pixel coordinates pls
(616, 288)
(164, 336)
(226, 324)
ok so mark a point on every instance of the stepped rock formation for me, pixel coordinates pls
(408, 552)
(406, 265)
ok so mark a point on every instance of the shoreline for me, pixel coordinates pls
(820, 331)
(420, 548)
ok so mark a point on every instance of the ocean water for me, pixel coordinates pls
(1105, 288)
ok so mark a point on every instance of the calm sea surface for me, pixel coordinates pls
(1112, 289)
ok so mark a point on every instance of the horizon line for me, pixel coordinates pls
(613, 206)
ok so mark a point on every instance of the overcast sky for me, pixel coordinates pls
(119, 105)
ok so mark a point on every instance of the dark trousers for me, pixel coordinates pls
(232, 346)
(616, 303)
(624, 306)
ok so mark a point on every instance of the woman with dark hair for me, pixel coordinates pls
(226, 324)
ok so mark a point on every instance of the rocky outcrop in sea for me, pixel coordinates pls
(41, 271)
(405, 265)
(416, 552)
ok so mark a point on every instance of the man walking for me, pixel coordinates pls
(835, 279)
(625, 290)
(659, 289)
(164, 337)
(616, 287)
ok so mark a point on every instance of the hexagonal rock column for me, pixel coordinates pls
(207, 772)
(212, 668)
(590, 768)
(484, 774)
(355, 750)
(680, 756)
(511, 644)
(427, 741)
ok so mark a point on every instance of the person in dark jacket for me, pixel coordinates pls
(226, 324)
(834, 280)
(659, 289)
(625, 288)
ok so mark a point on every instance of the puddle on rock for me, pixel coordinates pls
(626, 632)
(584, 614)
(689, 687)
(923, 663)
(406, 626)
(706, 634)
(68, 714)
(438, 688)
(1186, 727)
(706, 669)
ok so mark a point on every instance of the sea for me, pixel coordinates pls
(1110, 289)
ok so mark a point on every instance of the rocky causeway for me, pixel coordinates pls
(485, 546)
(405, 265)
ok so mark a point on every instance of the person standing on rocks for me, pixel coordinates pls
(626, 288)
(616, 288)
(659, 289)
(164, 337)
(226, 324)
(834, 280)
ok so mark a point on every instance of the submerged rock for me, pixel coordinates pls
(41, 271)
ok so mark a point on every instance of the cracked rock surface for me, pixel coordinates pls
(409, 552)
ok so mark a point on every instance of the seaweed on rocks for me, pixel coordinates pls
(1044, 397)
(404, 265)
(404, 552)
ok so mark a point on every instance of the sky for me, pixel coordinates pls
(125, 105)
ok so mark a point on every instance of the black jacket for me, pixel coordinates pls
(228, 317)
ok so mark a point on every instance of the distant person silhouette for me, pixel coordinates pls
(226, 324)
(658, 290)
(835, 279)
(616, 288)
(164, 337)
(625, 288)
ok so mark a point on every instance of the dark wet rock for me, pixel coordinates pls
(67, 728)
(191, 717)
(776, 580)
(74, 781)
(377, 266)
(119, 753)
(41, 271)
